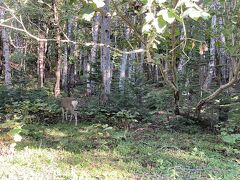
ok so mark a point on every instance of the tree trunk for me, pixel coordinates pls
(57, 90)
(142, 59)
(105, 52)
(182, 60)
(131, 67)
(65, 67)
(224, 62)
(88, 71)
(95, 31)
(6, 53)
(212, 62)
(123, 65)
(41, 53)
(67, 52)
(123, 71)
(173, 66)
(234, 79)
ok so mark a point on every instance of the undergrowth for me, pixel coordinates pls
(99, 151)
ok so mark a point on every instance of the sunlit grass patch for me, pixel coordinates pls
(63, 151)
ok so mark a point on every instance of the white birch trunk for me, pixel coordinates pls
(94, 49)
(6, 52)
(105, 52)
(123, 65)
(142, 59)
(41, 52)
(131, 67)
(182, 60)
(123, 71)
(212, 62)
(65, 80)
(6, 55)
(65, 66)
(224, 59)
(88, 69)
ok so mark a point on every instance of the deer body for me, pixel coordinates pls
(69, 104)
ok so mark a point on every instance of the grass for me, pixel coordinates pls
(96, 151)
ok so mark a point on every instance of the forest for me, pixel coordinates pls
(120, 89)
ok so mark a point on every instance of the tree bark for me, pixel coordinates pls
(57, 90)
(88, 72)
(209, 98)
(6, 55)
(123, 71)
(94, 49)
(6, 52)
(67, 52)
(173, 66)
(212, 62)
(105, 52)
(65, 67)
(124, 60)
(41, 53)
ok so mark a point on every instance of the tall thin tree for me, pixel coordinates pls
(6, 51)
(105, 52)
(58, 47)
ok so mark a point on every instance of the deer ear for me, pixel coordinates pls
(74, 103)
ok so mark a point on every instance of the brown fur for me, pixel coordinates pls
(69, 104)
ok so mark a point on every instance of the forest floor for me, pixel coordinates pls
(96, 151)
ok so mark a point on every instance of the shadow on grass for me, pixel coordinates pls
(145, 153)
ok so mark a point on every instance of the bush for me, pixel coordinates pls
(29, 106)
(230, 131)
(159, 100)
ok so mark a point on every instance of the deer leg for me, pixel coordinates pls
(63, 114)
(75, 114)
(66, 115)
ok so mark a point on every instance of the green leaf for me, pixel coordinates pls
(192, 13)
(99, 3)
(172, 11)
(154, 46)
(149, 17)
(146, 28)
(205, 15)
(162, 22)
(180, 3)
(159, 27)
(72, 1)
(149, 3)
(88, 12)
(161, 1)
(15, 131)
(144, 1)
(231, 139)
(167, 16)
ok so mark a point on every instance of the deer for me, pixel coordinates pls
(69, 104)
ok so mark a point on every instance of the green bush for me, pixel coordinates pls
(29, 106)
(159, 100)
(124, 118)
(230, 131)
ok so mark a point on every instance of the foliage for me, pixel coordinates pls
(124, 118)
(230, 131)
(159, 100)
(161, 13)
(29, 106)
